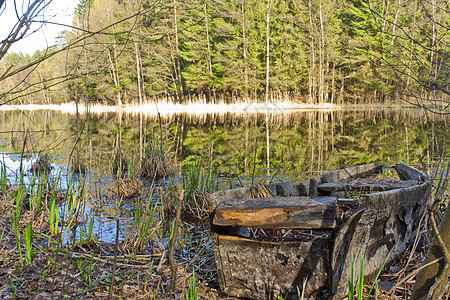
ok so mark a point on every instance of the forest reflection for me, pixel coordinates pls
(299, 141)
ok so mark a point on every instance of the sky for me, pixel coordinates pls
(59, 11)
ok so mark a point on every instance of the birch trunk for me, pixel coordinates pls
(207, 39)
(269, 5)
(138, 72)
(244, 40)
(177, 49)
(313, 62)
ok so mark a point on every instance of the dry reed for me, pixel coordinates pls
(156, 166)
(42, 164)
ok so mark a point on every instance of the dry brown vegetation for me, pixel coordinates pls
(67, 264)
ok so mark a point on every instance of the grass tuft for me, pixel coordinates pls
(42, 164)
(155, 164)
(198, 183)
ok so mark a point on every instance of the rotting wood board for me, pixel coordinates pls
(352, 172)
(276, 212)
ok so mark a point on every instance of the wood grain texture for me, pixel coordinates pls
(276, 212)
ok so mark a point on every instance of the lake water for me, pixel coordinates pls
(260, 147)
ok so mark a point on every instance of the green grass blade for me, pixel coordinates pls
(351, 279)
(375, 283)
(360, 286)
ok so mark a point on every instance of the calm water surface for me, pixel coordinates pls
(292, 145)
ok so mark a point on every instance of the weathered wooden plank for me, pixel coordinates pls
(330, 187)
(240, 193)
(312, 189)
(352, 172)
(346, 201)
(389, 221)
(340, 253)
(284, 189)
(287, 189)
(406, 172)
(253, 269)
(301, 189)
(276, 212)
(246, 192)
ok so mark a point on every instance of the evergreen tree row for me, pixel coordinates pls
(325, 51)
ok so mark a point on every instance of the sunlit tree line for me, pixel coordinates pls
(325, 51)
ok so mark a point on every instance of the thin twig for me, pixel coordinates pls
(254, 162)
(414, 273)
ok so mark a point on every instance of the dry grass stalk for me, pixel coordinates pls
(129, 188)
(119, 163)
(42, 164)
(197, 207)
(137, 243)
(173, 266)
(156, 166)
(77, 166)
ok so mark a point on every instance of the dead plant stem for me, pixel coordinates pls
(254, 162)
(411, 275)
(439, 282)
(116, 247)
(173, 267)
(21, 156)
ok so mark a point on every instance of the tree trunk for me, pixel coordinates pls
(138, 72)
(427, 276)
(267, 49)
(269, 5)
(115, 72)
(312, 62)
(177, 50)
(321, 57)
(207, 39)
(244, 40)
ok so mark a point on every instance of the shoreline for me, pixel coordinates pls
(200, 108)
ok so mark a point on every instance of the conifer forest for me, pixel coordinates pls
(223, 51)
(225, 149)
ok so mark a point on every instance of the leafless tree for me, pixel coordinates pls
(26, 16)
(34, 13)
(418, 52)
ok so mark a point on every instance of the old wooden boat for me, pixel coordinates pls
(298, 239)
